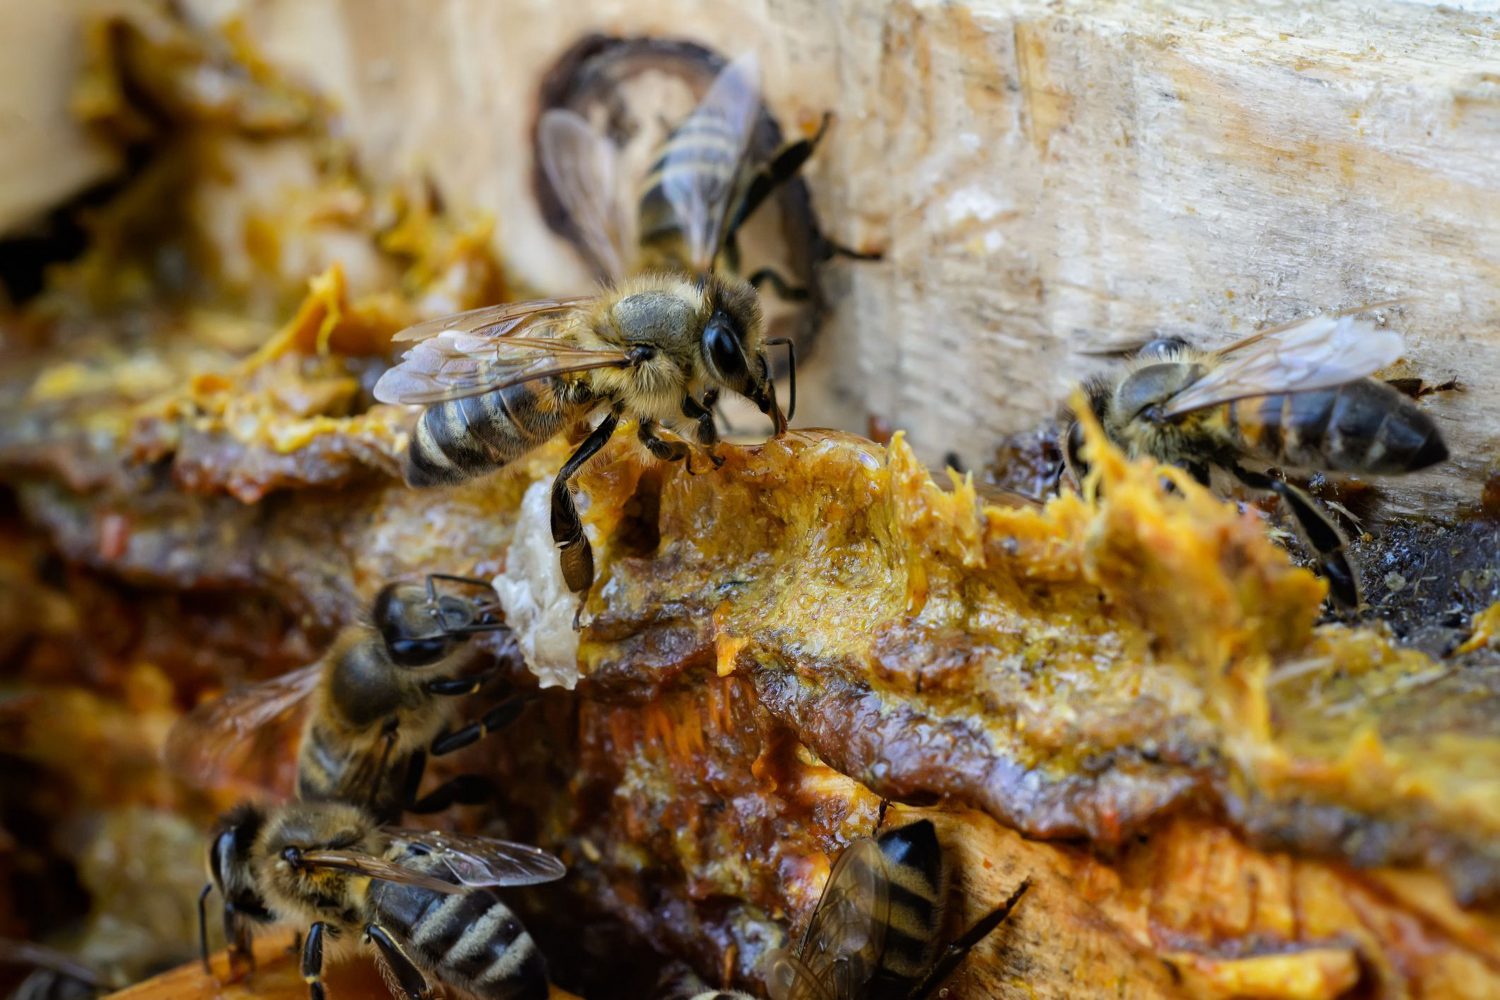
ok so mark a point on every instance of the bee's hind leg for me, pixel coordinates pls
(1319, 530)
(567, 527)
(411, 981)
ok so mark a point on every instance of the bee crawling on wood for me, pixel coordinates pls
(1297, 396)
(876, 933)
(424, 901)
(660, 347)
(379, 702)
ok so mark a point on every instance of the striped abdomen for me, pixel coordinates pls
(917, 889)
(332, 768)
(1361, 427)
(342, 750)
(462, 438)
(704, 147)
(468, 940)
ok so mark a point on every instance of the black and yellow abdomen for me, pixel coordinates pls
(1362, 427)
(462, 438)
(917, 890)
(469, 940)
(705, 147)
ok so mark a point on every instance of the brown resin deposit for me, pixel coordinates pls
(1128, 697)
(1133, 683)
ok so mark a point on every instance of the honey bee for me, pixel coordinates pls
(659, 347)
(380, 701)
(1296, 396)
(876, 931)
(655, 233)
(425, 900)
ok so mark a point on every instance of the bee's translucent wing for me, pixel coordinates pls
(788, 979)
(216, 743)
(846, 936)
(480, 351)
(1317, 353)
(479, 861)
(367, 864)
(490, 321)
(699, 176)
(584, 170)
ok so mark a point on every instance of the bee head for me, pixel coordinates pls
(230, 864)
(733, 345)
(420, 629)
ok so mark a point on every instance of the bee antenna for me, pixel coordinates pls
(791, 360)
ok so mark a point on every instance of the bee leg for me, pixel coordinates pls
(666, 451)
(496, 718)
(567, 526)
(1319, 530)
(772, 174)
(203, 926)
(956, 951)
(457, 687)
(410, 978)
(462, 790)
(702, 414)
(237, 948)
(388, 734)
(312, 959)
(784, 289)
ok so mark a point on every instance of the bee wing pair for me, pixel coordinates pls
(217, 742)
(1320, 352)
(1317, 353)
(474, 862)
(480, 351)
(841, 949)
(584, 169)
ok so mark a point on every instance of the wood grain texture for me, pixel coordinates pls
(1043, 180)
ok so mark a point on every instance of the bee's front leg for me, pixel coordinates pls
(567, 527)
(703, 415)
(312, 959)
(667, 451)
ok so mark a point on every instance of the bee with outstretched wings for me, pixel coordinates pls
(660, 347)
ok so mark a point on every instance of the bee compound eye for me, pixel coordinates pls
(418, 652)
(721, 348)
